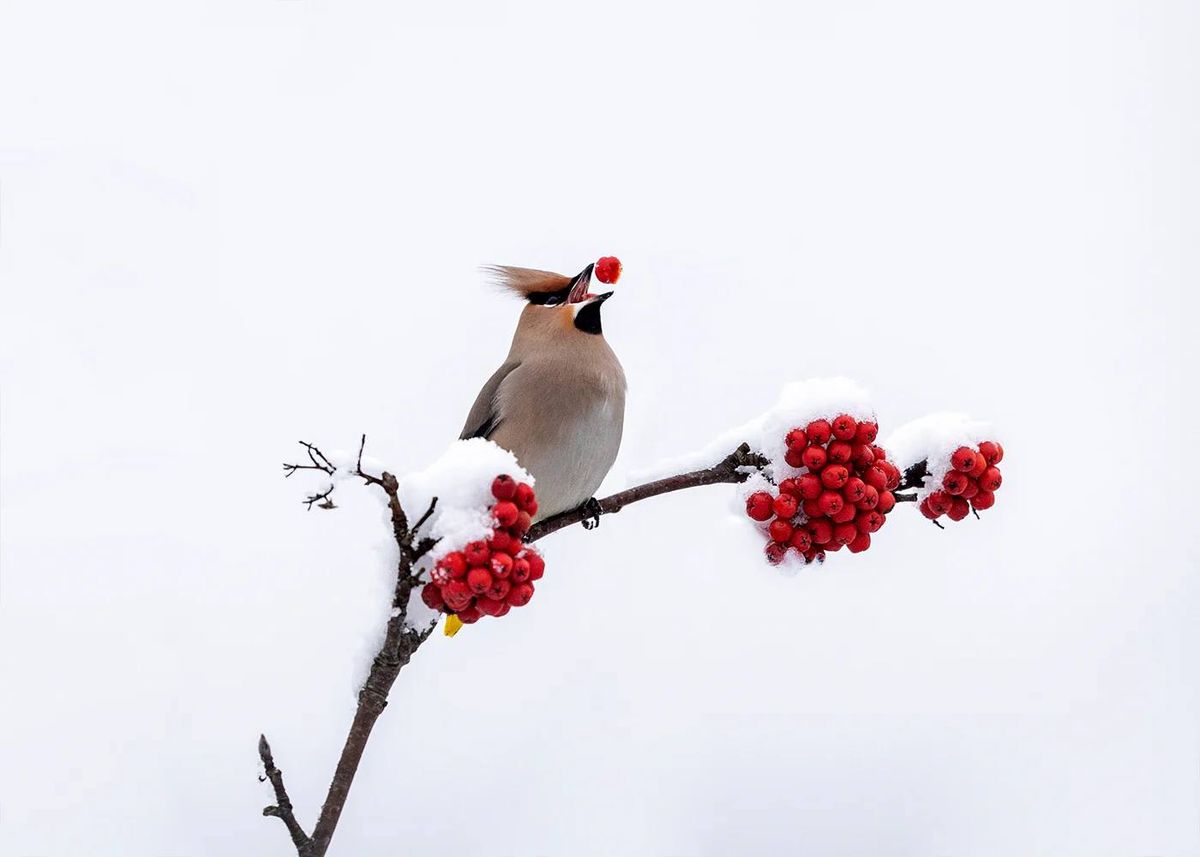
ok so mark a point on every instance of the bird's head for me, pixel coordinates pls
(555, 302)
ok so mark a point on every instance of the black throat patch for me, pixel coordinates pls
(588, 318)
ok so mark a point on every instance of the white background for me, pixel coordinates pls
(227, 226)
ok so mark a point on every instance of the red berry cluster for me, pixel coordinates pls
(838, 499)
(489, 578)
(971, 481)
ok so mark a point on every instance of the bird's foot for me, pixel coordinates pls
(592, 507)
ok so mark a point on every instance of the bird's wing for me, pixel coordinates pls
(484, 417)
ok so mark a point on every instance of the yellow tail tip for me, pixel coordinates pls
(452, 626)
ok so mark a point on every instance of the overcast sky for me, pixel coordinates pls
(227, 226)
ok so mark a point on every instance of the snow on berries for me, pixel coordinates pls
(834, 480)
(477, 526)
(956, 461)
(608, 269)
(490, 576)
(967, 480)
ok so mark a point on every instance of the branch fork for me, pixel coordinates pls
(401, 640)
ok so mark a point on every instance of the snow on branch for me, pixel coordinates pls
(809, 472)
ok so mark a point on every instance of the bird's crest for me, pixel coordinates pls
(532, 285)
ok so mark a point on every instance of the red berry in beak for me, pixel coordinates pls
(608, 269)
(844, 427)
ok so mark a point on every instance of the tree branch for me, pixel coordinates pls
(283, 804)
(401, 640)
(735, 467)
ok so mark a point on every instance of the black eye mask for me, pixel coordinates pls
(550, 298)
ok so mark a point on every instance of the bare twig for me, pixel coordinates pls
(416, 528)
(323, 497)
(282, 809)
(735, 467)
(318, 461)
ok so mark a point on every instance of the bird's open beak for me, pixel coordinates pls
(580, 285)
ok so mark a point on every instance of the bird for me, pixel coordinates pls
(557, 402)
